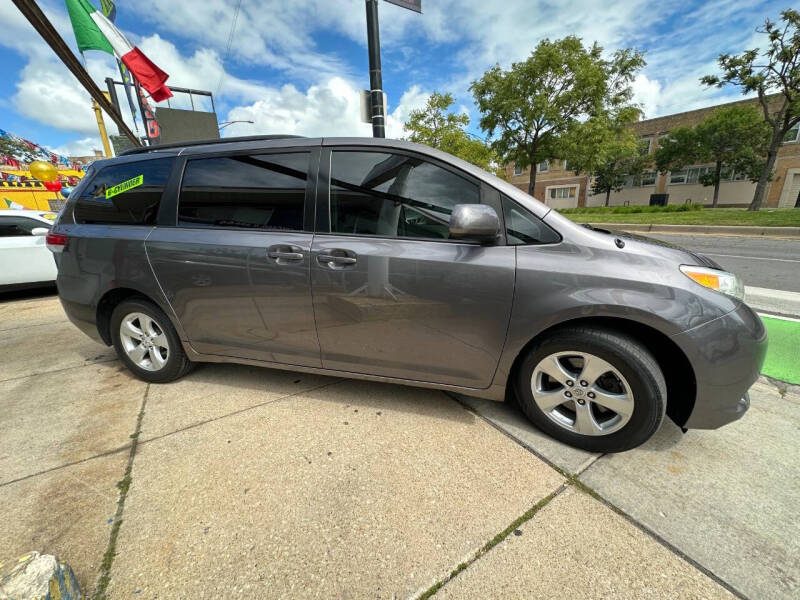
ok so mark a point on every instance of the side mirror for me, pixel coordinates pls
(474, 222)
(40, 231)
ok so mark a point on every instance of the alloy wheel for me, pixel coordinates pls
(582, 393)
(144, 341)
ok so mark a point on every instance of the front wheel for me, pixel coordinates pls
(592, 388)
(147, 343)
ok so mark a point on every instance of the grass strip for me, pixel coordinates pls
(766, 217)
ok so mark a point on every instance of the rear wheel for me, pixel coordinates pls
(147, 343)
(592, 388)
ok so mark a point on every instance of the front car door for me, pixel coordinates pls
(393, 296)
(235, 265)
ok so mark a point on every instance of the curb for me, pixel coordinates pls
(738, 230)
(773, 301)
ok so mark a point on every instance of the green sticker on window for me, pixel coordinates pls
(124, 186)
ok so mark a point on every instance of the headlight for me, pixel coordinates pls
(720, 281)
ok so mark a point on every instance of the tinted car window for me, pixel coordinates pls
(524, 228)
(124, 194)
(394, 195)
(264, 191)
(18, 226)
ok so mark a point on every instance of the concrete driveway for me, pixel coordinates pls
(247, 482)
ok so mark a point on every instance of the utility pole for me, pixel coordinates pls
(375, 78)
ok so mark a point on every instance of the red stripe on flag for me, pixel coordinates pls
(148, 74)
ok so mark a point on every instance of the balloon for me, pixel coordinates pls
(43, 171)
(53, 186)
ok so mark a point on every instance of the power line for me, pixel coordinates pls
(228, 46)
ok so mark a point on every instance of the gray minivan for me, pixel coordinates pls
(390, 261)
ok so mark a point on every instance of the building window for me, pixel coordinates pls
(678, 176)
(563, 192)
(517, 170)
(648, 178)
(792, 135)
(543, 167)
(644, 145)
(568, 166)
(694, 174)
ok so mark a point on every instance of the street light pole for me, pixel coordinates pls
(375, 78)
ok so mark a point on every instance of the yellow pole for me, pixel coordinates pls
(101, 126)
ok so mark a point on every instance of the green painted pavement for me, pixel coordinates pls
(783, 354)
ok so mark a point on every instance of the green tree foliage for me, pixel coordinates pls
(775, 68)
(606, 146)
(534, 103)
(436, 127)
(736, 137)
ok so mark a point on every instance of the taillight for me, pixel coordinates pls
(56, 241)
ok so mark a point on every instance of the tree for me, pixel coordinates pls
(536, 101)
(446, 131)
(777, 68)
(607, 147)
(735, 137)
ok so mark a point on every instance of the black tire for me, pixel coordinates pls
(176, 365)
(624, 353)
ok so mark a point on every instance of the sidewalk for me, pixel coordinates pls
(246, 482)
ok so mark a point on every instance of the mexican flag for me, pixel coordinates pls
(93, 31)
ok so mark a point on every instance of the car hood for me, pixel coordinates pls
(681, 254)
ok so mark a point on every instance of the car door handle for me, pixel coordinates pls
(284, 254)
(336, 259)
(341, 260)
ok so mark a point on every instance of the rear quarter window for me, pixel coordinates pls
(124, 194)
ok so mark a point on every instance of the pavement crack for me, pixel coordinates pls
(577, 483)
(512, 527)
(124, 485)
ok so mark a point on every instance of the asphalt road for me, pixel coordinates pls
(766, 263)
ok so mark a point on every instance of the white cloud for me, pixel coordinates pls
(81, 147)
(331, 108)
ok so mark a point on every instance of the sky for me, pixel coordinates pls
(296, 66)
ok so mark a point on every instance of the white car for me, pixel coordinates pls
(25, 260)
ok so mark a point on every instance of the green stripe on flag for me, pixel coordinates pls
(87, 33)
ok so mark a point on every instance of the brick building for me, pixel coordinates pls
(559, 187)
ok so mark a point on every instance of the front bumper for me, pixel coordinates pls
(726, 354)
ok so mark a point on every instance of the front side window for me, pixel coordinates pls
(543, 166)
(18, 226)
(124, 194)
(263, 191)
(394, 195)
(524, 228)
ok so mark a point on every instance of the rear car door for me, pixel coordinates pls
(234, 262)
(393, 296)
(24, 258)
